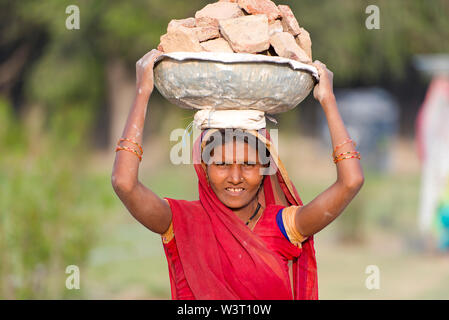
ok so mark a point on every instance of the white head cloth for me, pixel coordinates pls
(233, 119)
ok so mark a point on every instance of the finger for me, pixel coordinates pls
(147, 56)
(320, 68)
(150, 55)
(155, 53)
(319, 63)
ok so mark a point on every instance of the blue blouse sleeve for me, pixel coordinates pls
(285, 219)
(280, 224)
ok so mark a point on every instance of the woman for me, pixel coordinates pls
(236, 241)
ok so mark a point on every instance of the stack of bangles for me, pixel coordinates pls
(119, 147)
(345, 155)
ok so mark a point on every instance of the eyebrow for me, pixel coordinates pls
(238, 162)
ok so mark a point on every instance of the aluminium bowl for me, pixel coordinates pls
(210, 80)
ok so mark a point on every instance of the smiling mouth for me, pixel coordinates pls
(235, 191)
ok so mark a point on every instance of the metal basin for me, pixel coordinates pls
(209, 80)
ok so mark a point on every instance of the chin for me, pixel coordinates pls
(234, 203)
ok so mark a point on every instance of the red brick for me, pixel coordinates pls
(189, 23)
(246, 34)
(206, 33)
(217, 45)
(285, 46)
(289, 21)
(181, 39)
(304, 41)
(266, 7)
(206, 22)
(274, 27)
(214, 12)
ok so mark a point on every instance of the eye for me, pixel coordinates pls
(220, 164)
(248, 165)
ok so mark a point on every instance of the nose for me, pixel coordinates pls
(235, 174)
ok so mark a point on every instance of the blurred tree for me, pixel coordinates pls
(359, 55)
(68, 69)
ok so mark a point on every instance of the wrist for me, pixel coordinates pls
(328, 101)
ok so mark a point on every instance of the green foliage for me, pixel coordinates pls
(50, 209)
(72, 64)
(356, 54)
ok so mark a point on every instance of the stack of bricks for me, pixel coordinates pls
(245, 26)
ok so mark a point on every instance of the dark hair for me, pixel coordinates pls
(222, 136)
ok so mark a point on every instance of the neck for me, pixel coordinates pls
(244, 213)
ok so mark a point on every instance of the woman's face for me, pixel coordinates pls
(234, 173)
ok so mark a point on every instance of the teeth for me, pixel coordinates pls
(234, 189)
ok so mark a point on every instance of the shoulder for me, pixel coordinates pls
(281, 220)
(285, 219)
(183, 204)
(180, 209)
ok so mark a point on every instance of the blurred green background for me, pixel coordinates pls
(64, 98)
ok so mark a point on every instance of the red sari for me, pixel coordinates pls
(214, 255)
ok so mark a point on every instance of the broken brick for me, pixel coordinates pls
(266, 7)
(246, 34)
(304, 41)
(206, 33)
(274, 27)
(285, 46)
(217, 45)
(181, 38)
(214, 12)
(189, 23)
(289, 21)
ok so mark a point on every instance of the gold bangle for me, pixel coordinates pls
(347, 157)
(132, 141)
(346, 154)
(343, 143)
(129, 150)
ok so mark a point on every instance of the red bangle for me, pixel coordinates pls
(348, 157)
(348, 152)
(343, 143)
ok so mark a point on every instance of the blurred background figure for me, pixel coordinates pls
(433, 147)
(443, 220)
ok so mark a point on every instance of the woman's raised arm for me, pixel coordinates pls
(327, 206)
(147, 207)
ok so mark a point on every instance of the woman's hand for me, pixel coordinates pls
(324, 91)
(144, 71)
